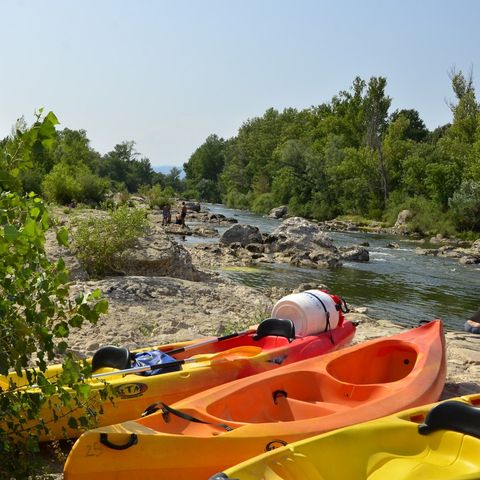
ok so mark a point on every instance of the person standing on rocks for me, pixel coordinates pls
(183, 213)
(167, 216)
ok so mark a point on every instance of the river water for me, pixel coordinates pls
(396, 284)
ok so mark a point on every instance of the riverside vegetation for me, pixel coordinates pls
(350, 157)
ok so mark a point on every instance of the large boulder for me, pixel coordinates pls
(278, 212)
(401, 225)
(158, 255)
(297, 233)
(243, 234)
(355, 253)
(195, 206)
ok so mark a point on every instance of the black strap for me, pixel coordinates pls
(167, 410)
(132, 440)
(328, 327)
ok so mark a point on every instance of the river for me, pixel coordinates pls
(396, 284)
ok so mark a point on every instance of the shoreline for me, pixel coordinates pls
(147, 310)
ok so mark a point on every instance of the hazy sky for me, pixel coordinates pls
(166, 74)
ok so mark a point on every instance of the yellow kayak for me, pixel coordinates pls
(192, 367)
(434, 442)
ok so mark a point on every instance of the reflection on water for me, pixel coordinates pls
(396, 284)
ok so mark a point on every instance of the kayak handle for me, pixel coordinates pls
(133, 440)
(452, 415)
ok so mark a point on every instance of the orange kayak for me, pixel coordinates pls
(207, 363)
(208, 432)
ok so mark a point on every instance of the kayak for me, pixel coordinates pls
(199, 436)
(191, 367)
(439, 441)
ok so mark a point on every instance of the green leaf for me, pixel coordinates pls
(61, 330)
(83, 389)
(48, 143)
(30, 229)
(101, 306)
(72, 423)
(10, 233)
(52, 118)
(62, 237)
(97, 294)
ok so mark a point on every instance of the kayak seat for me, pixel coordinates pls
(111, 356)
(279, 327)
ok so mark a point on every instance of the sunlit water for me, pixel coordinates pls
(396, 284)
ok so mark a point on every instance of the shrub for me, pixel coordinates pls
(428, 217)
(60, 185)
(67, 183)
(92, 187)
(156, 196)
(264, 203)
(36, 310)
(235, 199)
(99, 242)
(465, 206)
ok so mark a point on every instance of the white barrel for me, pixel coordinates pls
(307, 310)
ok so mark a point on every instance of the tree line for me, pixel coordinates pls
(351, 157)
(67, 169)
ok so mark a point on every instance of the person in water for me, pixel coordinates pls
(472, 325)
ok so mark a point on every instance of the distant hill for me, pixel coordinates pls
(165, 169)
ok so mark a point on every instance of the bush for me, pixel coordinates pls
(99, 242)
(36, 310)
(156, 196)
(264, 203)
(60, 185)
(235, 199)
(92, 187)
(428, 217)
(465, 206)
(66, 183)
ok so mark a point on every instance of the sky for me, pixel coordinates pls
(167, 74)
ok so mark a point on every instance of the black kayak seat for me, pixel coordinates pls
(112, 357)
(279, 327)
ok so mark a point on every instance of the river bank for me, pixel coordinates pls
(171, 292)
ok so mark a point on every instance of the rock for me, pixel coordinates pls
(299, 233)
(392, 245)
(401, 225)
(158, 255)
(278, 212)
(355, 254)
(194, 206)
(243, 234)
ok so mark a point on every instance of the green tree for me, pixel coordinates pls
(376, 113)
(204, 167)
(415, 129)
(465, 206)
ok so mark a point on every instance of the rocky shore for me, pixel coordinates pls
(170, 292)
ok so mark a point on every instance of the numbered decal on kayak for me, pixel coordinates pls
(129, 390)
(275, 444)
